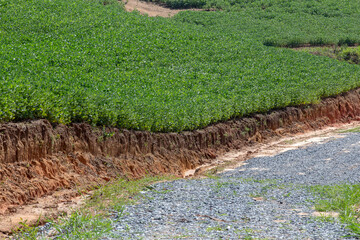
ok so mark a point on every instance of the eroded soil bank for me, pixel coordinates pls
(38, 159)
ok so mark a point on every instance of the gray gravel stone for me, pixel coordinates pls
(265, 199)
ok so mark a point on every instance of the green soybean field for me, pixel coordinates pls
(91, 61)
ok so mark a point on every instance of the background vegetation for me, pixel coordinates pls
(349, 54)
(81, 60)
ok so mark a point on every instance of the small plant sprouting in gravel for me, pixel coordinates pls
(82, 225)
(27, 232)
(216, 228)
(211, 175)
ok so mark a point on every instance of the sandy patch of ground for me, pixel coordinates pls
(151, 9)
(235, 159)
(48, 207)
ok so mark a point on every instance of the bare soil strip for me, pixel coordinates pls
(236, 158)
(151, 9)
(38, 159)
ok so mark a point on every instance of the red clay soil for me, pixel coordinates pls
(38, 159)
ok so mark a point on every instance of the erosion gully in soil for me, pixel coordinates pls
(44, 161)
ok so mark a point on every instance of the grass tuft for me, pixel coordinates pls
(82, 225)
(352, 130)
(92, 220)
(344, 199)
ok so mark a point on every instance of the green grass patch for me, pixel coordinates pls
(27, 231)
(356, 129)
(115, 195)
(344, 199)
(211, 175)
(342, 53)
(82, 225)
(86, 61)
(91, 221)
(216, 228)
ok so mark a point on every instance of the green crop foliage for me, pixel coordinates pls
(90, 61)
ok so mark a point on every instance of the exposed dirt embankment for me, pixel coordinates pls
(37, 158)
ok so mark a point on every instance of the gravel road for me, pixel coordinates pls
(266, 199)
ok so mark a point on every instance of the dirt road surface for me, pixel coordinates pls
(269, 197)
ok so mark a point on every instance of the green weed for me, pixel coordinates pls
(356, 129)
(91, 221)
(343, 53)
(115, 195)
(344, 199)
(211, 175)
(27, 232)
(82, 225)
(216, 228)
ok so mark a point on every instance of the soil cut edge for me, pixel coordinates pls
(38, 159)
